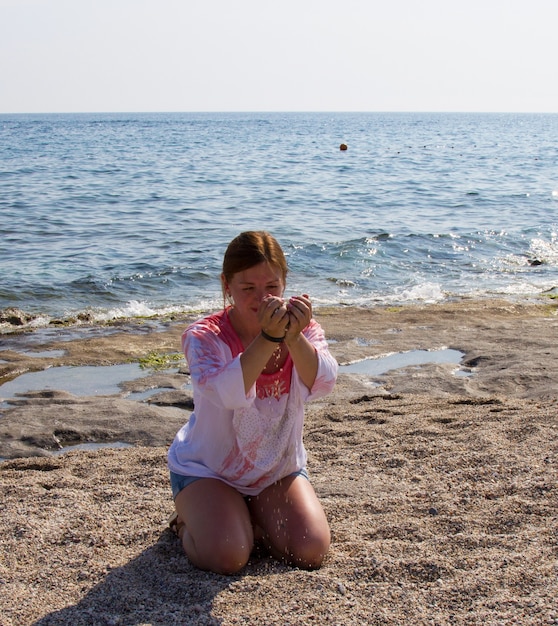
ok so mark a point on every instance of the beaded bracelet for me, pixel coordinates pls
(270, 338)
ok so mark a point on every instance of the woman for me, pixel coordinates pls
(238, 467)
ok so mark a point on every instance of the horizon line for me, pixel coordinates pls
(280, 111)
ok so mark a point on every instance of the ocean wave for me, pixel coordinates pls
(115, 216)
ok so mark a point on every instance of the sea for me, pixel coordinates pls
(108, 216)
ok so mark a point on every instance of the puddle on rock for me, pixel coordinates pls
(85, 446)
(87, 380)
(376, 366)
(92, 446)
(45, 354)
(141, 396)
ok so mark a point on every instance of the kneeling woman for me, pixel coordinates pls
(238, 467)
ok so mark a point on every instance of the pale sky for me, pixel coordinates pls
(278, 55)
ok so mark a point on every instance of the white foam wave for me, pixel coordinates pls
(136, 308)
(545, 251)
(425, 292)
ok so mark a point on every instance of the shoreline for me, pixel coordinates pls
(491, 337)
(440, 489)
(16, 321)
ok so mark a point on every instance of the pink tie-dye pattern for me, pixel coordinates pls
(258, 439)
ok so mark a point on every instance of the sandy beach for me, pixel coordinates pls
(439, 481)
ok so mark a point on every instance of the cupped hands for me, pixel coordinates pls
(285, 318)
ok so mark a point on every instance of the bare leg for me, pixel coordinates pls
(293, 522)
(217, 534)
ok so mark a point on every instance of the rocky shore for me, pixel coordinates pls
(439, 479)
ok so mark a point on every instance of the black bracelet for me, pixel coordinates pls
(274, 339)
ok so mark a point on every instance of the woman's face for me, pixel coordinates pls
(250, 287)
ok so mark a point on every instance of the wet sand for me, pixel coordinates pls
(439, 481)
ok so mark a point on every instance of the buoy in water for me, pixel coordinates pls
(343, 146)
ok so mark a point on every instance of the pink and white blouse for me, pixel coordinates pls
(249, 441)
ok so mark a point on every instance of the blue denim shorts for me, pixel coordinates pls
(178, 482)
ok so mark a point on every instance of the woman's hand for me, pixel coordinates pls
(301, 350)
(273, 319)
(300, 313)
(273, 316)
